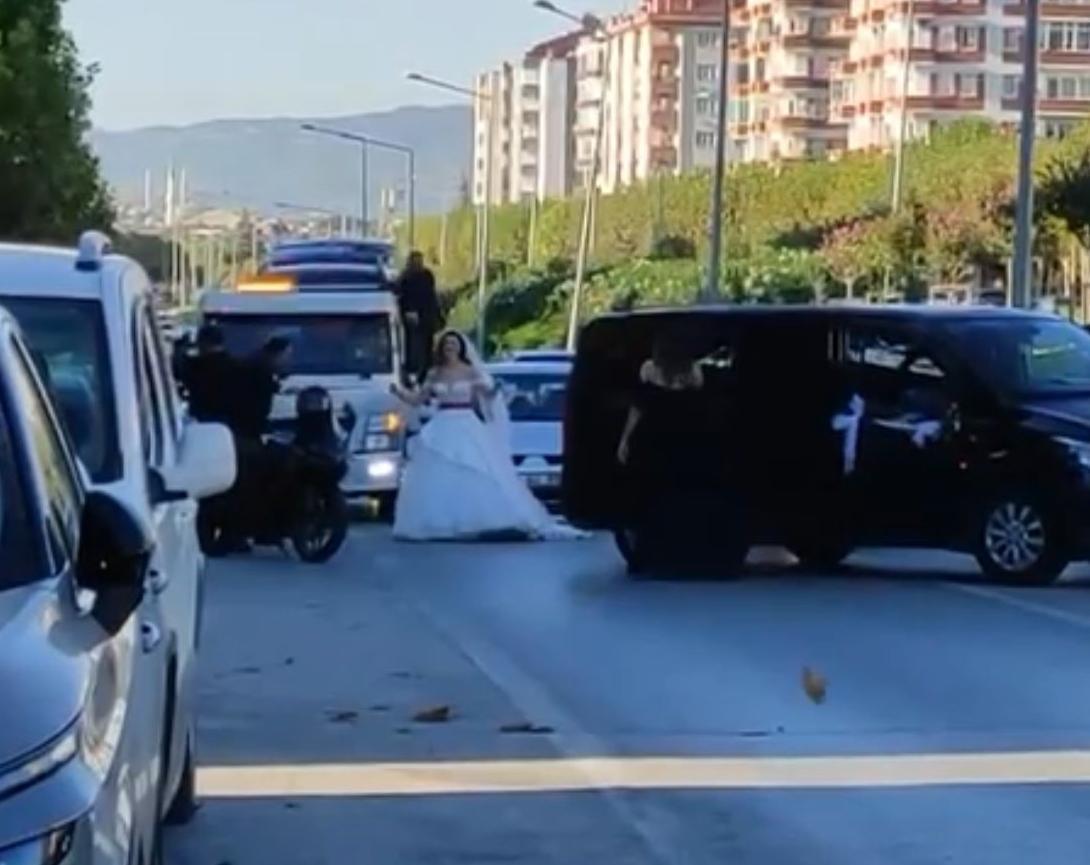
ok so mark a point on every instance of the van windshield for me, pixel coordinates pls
(320, 344)
(1027, 357)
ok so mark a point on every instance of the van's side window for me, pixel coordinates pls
(889, 368)
(161, 380)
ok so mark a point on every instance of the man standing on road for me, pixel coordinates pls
(208, 378)
(419, 302)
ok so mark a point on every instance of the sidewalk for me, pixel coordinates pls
(305, 667)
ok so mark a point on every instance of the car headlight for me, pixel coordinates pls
(1080, 450)
(50, 849)
(388, 422)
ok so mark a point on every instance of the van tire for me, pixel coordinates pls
(185, 804)
(632, 550)
(1018, 541)
(821, 555)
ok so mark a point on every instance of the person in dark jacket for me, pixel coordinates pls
(419, 303)
(261, 376)
(209, 378)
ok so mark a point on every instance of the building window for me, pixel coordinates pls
(942, 84)
(1012, 40)
(707, 39)
(707, 72)
(969, 85)
(705, 140)
(706, 105)
(968, 38)
(1011, 86)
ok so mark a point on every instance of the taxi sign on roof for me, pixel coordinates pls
(269, 283)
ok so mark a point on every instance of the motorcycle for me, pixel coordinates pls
(295, 482)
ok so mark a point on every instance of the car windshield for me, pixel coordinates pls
(534, 396)
(320, 344)
(1027, 357)
(70, 335)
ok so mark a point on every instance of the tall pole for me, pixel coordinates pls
(531, 240)
(363, 190)
(411, 204)
(586, 227)
(1022, 288)
(897, 191)
(486, 216)
(715, 224)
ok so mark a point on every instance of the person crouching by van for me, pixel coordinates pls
(663, 450)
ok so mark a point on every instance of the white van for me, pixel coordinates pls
(350, 343)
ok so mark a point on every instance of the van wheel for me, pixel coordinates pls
(821, 555)
(632, 549)
(1018, 542)
(184, 807)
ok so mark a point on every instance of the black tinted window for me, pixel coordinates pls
(71, 336)
(1026, 356)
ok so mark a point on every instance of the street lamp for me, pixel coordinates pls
(484, 241)
(715, 224)
(310, 127)
(594, 25)
(1022, 281)
(364, 141)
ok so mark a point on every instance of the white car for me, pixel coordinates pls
(89, 316)
(350, 343)
(536, 394)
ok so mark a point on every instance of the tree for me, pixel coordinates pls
(1065, 193)
(50, 187)
(857, 251)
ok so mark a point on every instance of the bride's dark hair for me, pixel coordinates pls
(463, 349)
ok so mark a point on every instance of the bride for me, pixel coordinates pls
(460, 482)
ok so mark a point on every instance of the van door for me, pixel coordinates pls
(906, 473)
(786, 454)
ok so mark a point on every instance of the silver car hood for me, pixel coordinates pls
(43, 675)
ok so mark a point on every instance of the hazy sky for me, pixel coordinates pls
(176, 61)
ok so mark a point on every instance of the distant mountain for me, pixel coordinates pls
(257, 163)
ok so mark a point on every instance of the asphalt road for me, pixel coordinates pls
(646, 722)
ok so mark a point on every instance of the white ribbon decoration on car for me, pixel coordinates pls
(848, 422)
(921, 432)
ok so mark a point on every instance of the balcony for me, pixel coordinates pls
(1062, 106)
(810, 41)
(839, 5)
(943, 103)
(802, 82)
(1050, 10)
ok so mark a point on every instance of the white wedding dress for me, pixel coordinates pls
(460, 482)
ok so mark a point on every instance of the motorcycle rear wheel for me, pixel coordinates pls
(322, 525)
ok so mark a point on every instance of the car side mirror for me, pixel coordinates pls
(206, 465)
(114, 550)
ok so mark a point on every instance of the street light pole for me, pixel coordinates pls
(593, 25)
(897, 192)
(370, 141)
(488, 101)
(364, 215)
(1022, 276)
(715, 229)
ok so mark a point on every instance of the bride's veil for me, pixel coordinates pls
(496, 416)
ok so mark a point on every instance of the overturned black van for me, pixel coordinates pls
(826, 429)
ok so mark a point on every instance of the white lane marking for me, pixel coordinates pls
(535, 702)
(645, 773)
(1000, 597)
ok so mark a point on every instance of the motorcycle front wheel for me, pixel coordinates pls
(321, 526)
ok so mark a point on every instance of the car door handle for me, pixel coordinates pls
(158, 580)
(150, 636)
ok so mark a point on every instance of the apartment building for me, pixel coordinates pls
(529, 106)
(960, 58)
(658, 72)
(783, 54)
